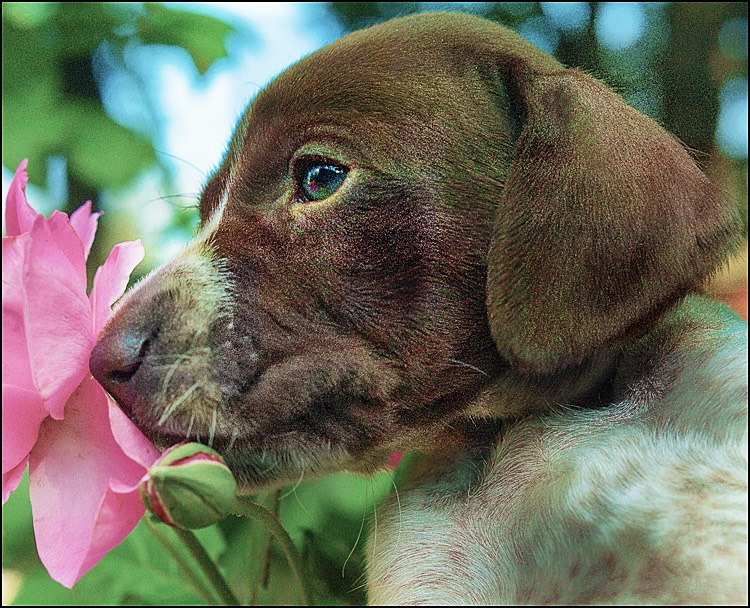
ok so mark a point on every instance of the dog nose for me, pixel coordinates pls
(116, 359)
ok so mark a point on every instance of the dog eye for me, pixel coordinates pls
(320, 179)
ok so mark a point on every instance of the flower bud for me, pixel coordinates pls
(189, 487)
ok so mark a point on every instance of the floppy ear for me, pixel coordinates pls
(605, 220)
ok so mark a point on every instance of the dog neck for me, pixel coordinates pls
(514, 395)
(606, 377)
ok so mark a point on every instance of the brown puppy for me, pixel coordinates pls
(419, 233)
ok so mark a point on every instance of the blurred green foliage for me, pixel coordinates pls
(51, 88)
(326, 519)
(57, 59)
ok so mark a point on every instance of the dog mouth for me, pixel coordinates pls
(287, 460)
(298, 415)
(267, 460)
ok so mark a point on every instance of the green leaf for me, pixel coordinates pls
(244, 557)
(26, 15)
(19, 551)
(134, 572)
(201, 36)
(101, 152)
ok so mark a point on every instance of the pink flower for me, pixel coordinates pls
(85, 457)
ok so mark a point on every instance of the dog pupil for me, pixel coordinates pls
(322, 180)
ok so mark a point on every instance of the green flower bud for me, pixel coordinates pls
(189, 487)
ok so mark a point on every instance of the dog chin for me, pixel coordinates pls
(261, 470)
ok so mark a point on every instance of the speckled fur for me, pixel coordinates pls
(643, 501)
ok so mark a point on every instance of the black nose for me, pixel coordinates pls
(116, 359)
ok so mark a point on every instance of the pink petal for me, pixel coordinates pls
(118, 514)
(77, 515)
(16, 366)
(73, 240)
(84, 223)
(11, 479)
(69, 243)
(58, 320)
(19, 216)
(129, 437)
(23, 413)
(111, 280)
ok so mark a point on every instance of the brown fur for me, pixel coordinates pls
(507, 229)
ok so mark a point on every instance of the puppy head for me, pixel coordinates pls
(387, 236)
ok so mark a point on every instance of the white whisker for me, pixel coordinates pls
(398, 502)
(294, 487)
(212, 431)
(235, 434)
(168, 412)
(359, 535)
(273, 466)
(170, 373)
(375, 522)
(469, 365)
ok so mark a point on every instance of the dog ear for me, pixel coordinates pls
(605, 220)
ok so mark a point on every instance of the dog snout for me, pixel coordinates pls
(116, 359)
(158, 354)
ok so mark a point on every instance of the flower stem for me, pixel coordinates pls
(267, 556)
(268, 519)
(208, 567)
(196, 581)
